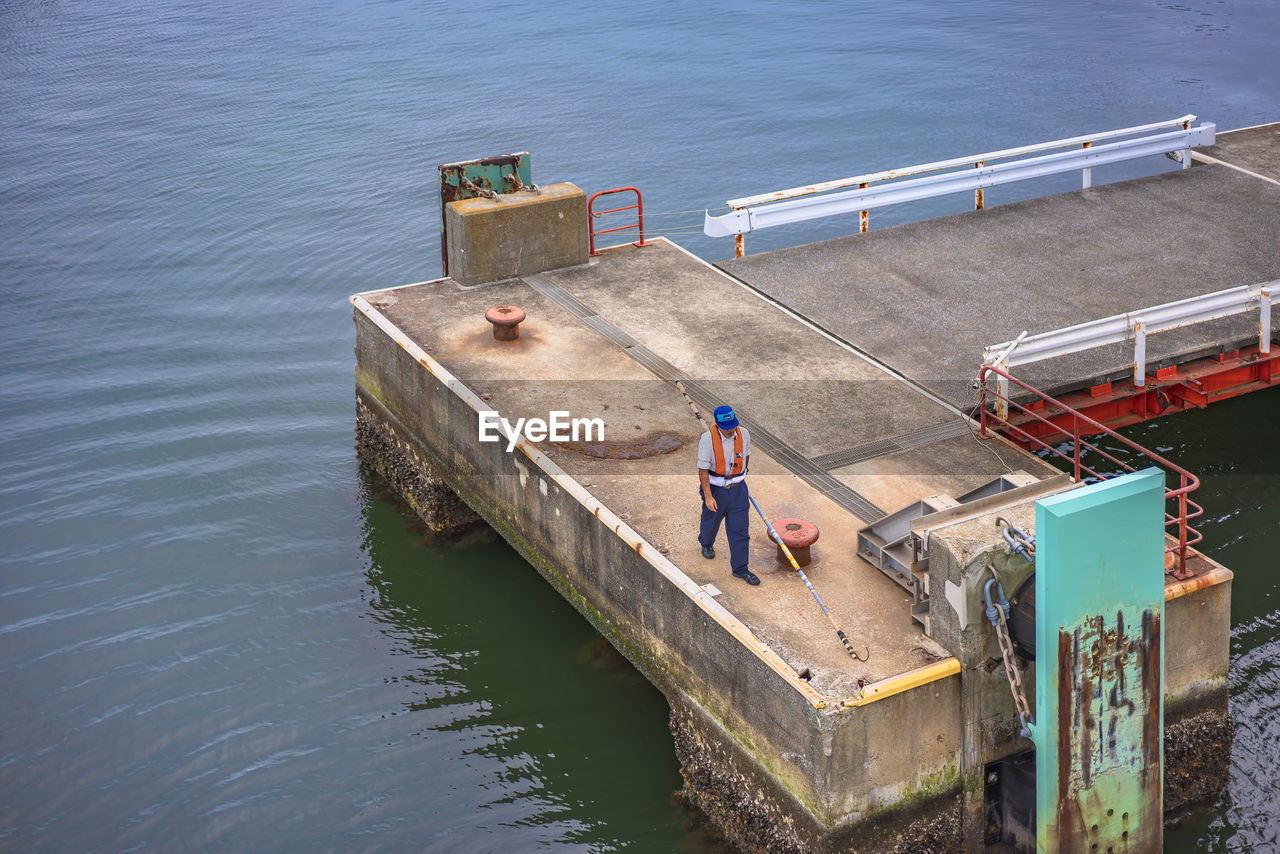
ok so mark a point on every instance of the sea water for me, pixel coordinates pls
(215, 633)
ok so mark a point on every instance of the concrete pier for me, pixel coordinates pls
(850, 362)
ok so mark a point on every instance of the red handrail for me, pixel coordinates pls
(1187, 509)
(638, 207)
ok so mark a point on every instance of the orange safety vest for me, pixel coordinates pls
(717, 448)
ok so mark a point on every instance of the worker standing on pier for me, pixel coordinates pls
(723, 460)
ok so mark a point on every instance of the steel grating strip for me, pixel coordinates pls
(881, 447)
(925, 435)
(791, 459)
(564, 299)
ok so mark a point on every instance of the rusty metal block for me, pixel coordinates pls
(1099, 674)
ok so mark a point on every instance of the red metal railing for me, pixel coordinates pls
(592, 215)
(1051, 419)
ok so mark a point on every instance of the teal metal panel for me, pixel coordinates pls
(488, 176)
(505, 173)
(1099, 669)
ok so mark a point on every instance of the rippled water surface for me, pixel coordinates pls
(214, 633)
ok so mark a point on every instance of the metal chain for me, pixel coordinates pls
(1019, 540)
(1015, 678)
(516, 185)
(467, 184)
(1010, 663)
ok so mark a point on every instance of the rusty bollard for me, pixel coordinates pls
(506, 321)
(798, 535)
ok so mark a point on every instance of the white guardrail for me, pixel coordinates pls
(785, 207)
(1134, 327)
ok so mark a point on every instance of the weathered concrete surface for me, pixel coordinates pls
(1256, 149)
(617, 536)
(949, 466)
(813, 393)
(926, 297)
(745, 802)
(516, 234)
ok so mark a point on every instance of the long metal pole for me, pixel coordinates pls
(844, 639)
(697, 413)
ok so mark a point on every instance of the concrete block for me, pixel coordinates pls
(516, 234)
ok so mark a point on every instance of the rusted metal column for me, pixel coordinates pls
(1099, 671)
(863, 218)
(1182, 573)
(977, 194)
(982, 404)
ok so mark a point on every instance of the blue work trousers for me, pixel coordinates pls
(733, 508)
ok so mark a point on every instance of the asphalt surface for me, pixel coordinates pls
(926, 298)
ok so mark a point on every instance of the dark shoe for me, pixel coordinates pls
(708, 552)
(747, 576)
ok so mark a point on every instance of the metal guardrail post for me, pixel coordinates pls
(1186, 152)
(1075, 445)
(982, 406)
(1139, 354)
(1002, 382)
(1002, 396)
(1264, 320)
(1182, 526)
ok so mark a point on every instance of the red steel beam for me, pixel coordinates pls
(1193, 385)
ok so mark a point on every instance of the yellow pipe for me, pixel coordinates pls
(950, 666)
(906, 681)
